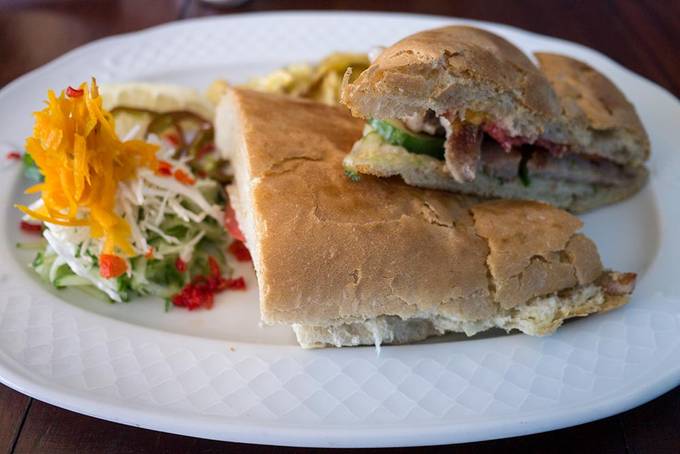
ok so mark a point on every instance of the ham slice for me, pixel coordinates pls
(462, 149)
(572, 167)
(507, 142)
(500, 154)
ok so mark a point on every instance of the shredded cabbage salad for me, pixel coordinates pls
(175, 216)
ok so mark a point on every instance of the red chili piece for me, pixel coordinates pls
(30, 228)
(13, 155)
(184, 178)
(231, 224)
(181, 265)
(214, 267)
(164, 168)
(240, 251)
(74, 92)
(173, 139)
(111, 266)
(236, 284)
(205, 149)
(200, 292)
(192, 297)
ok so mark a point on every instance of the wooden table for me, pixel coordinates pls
(642, 35)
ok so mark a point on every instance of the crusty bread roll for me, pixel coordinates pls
(377, 261)
(585, 141)
(601, 119)
(459, 66)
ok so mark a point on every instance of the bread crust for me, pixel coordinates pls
(333, 251)
(540, 317)
(591, 104)
(456, 68)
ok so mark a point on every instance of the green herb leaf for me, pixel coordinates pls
(523, 170)
(32, 245)
(62, 272)
(352, 175)
(31, 170)
(38, 260)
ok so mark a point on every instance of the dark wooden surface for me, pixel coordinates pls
(642, 35)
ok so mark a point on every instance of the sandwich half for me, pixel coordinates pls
(461, 109)
(377, 261)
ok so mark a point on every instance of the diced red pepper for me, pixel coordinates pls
(111, 266)
(192, 297)
(214, 267)
(13, 155)
(172, 138)
(164, 168)
(236, 284)
(29, 227)
(231, 224)
(200, 292)
(205, 149)
(184, 178)
(239, 250)
(181, 265)
(74, 92)
(149, 252)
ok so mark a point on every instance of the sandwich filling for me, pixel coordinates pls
(471, 144)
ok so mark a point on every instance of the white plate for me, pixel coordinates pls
(216, 374)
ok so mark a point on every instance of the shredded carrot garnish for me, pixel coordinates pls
(46, 218)
(75, 146)
(35, 188)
